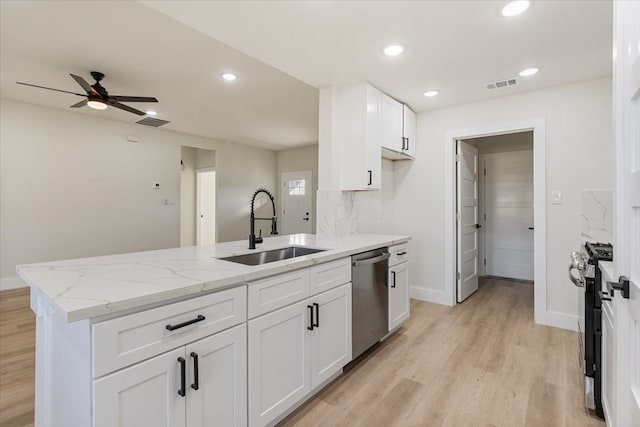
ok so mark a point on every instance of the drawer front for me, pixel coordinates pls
(329, 275)
(129, 339)
(398, 254)
(276, 292)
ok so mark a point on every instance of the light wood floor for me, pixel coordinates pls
(481, 363)
(17, 358)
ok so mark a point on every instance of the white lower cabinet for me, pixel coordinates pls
(296, 348)
(221, 395)
(144, 394)
(162, 391)
(331, 339)
(398, 294)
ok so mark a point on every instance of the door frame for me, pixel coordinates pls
(197, 210)
(537, 125)
(309, 188)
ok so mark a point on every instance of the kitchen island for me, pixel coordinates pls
(180, 337)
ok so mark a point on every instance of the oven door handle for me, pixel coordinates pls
(576, 281)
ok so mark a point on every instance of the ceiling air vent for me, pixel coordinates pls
(502, 83)
(150, 121)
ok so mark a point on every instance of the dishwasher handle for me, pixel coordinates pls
(373, 260)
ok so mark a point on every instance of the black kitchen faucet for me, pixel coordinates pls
(274, 221)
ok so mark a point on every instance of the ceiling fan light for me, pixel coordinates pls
(96, 105)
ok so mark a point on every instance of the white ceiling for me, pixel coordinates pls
(274, 47)
(145, 53)
(453, 46)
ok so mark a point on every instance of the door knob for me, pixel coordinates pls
(478, 226)
(621, 285)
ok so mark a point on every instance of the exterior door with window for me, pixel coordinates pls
(297, 192)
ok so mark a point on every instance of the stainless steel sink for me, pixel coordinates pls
(258, 258)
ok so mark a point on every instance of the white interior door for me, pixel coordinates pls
(467, 219)
(297, 193)
(206, 206)
(508, 210)
(626, 107)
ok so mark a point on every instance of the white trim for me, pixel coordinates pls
(12, 283)
(561, 320)
(430, 295)
(541, 315)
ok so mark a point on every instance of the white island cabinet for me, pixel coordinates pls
(183, 338)
(300, 346)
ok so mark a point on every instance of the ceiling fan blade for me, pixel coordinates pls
(123, 98)
(79, 104)
(50, 88)
(86, 86)
(125, 107)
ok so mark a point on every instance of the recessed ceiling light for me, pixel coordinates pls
(151, 113)
(528, 72)
(431, 93)
(229, 76)
(515, 8)
(393, 50)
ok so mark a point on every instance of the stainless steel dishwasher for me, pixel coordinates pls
(370, 299)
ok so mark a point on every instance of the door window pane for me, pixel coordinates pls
(297, 187)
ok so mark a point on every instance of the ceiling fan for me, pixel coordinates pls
(97, 96)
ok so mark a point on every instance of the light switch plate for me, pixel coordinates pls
(556, 197)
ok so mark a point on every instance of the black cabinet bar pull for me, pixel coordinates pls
(394, 279)
(401, 253)
(407, 144)
(315, 304)
(403, 142)
(310, 307)
(370, 177)
(183, 368)
(195, 370)
(200, 318)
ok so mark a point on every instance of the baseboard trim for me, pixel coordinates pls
(430, 295)
(559, 320)
(12, 283)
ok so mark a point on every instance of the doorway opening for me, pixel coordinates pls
(198, 195)
(297, 198)
(495, 210)
(467, 262)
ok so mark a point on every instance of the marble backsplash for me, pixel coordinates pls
(597, 216)
(341, 213)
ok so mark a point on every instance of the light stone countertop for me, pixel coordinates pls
(92, 287)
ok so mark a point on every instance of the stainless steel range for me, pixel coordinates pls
(585, 262)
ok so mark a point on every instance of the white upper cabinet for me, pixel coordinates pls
(358, 136)
(391, 126)
(409, 132)
(397, 130)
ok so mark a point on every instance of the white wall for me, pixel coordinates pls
(578, 139)
(72, 186)
(296, 160)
